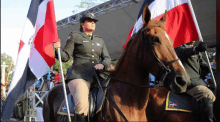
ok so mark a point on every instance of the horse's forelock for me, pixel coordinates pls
(155, 23)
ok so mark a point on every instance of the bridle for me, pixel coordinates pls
(163, 70)
(161, 75)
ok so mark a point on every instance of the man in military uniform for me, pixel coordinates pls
(192, 61)
(88, 51)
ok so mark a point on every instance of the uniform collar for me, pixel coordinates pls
(85, 35)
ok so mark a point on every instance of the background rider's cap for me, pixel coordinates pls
(88, 16)
(56, 70)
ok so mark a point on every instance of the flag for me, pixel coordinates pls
(63, 108)
(180, 24)
(35, 53)
(173, 105)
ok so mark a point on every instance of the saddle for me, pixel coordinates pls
(181, 102)
(96, 99)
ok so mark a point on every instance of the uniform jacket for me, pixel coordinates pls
(193, 64)
(87, 51)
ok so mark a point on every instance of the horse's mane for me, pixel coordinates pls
(136, 36)
(121, 59)
(129, 42)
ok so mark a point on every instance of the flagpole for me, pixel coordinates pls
(201, 39)
(64, 85)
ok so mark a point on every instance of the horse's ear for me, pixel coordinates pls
(146, 14)
(164, 17)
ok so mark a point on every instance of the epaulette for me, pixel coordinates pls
(97, 36)
(75, 32)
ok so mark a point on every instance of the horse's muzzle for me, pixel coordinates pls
(181, 82)
(177, 81)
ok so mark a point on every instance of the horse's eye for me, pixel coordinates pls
(156, 40)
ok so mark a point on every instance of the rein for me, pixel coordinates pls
(108, 89)
(163, 68)
(103, 72)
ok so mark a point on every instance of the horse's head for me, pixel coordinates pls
(159, 56)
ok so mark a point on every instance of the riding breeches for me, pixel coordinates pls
(199, 92)
(79, 88)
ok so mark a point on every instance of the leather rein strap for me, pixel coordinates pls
(110, 94)
(162, 66)
(152, 52)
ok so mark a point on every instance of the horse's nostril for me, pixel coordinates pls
(180, 81)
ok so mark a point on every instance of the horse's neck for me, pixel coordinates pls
(130, 95)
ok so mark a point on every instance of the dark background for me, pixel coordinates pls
(217, 102)
(114, 26)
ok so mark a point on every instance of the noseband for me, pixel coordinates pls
(164, 70)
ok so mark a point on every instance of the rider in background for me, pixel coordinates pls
(208, 77)
(57, 77)
(88, 51)
(38, 83)
(193, 63)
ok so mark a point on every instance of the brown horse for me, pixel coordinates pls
(149, 51)
(156, 112)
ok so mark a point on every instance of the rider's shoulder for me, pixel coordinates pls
(76, 33)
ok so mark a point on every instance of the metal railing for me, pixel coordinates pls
(33, 100)
(98, 10)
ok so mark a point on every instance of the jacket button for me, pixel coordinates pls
(92, 49)
(93, 62)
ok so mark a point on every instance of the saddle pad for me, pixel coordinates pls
(63, 110)
(98, 96)
(180, 102)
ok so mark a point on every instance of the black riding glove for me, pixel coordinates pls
(202, 47)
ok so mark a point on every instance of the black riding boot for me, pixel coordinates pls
(206, 109)
(80, 118)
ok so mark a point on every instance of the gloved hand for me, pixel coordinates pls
(202, 47)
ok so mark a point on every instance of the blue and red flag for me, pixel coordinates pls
(180, 24)
(35, 53)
